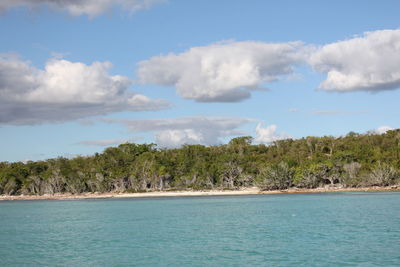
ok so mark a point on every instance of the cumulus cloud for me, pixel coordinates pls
(64, 91)
(266, 135)
(366, 63)
(175, 132)
(176, 138)
(91, 8)
(222, 72)
(383, 129)
(107, 142)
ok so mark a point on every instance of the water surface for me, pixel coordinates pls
(330, 229)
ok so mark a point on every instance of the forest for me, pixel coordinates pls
(354, 160)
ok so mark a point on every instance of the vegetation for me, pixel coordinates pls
(354, 160)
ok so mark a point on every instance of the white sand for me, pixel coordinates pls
(244, 191)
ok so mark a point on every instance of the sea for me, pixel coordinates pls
(327, 229)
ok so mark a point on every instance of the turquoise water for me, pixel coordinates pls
(338, 229)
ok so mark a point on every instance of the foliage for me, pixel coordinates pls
(350, 161)
(275, 177)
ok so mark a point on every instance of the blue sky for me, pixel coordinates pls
(77, 76)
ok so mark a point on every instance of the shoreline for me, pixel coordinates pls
(187, 193)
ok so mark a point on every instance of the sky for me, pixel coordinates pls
(77, 76)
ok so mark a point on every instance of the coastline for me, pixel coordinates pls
(187, 193)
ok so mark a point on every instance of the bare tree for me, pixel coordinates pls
(275, 177)
(383, 175)
(352, 171)
(231, 174)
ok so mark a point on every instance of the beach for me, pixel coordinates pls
(187, 193)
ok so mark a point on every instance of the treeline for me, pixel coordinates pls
(354, 160)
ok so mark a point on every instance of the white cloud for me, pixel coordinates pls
(222, 72)
(107, 142)
(91, 8)
(366, 63)
(268, 134)
(176, 138)
(187, 130)
(383, 129)
(64, 91)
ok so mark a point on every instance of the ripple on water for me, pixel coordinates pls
(359, 229)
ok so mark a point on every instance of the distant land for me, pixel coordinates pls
(355, 162)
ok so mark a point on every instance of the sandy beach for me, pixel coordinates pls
(244, 191)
